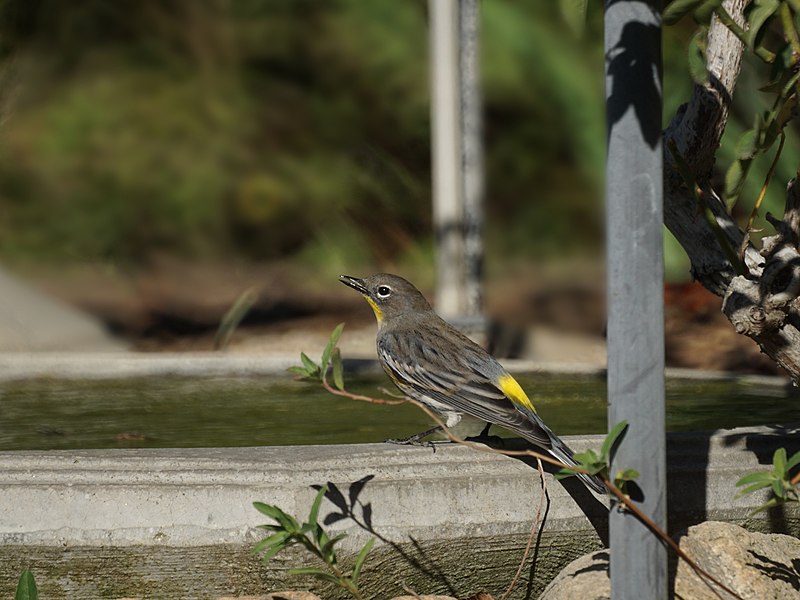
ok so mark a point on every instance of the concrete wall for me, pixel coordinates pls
(178, 523)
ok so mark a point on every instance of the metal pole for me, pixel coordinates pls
(448, 213)
(635, 288)
(472, 153)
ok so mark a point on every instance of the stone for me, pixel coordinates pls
(585, 578)
(756, 566)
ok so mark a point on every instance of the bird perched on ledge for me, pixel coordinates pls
(437, 365)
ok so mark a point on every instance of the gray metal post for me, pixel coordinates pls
(635, 288)
(457, 159)
(472, 152)
(448, 212)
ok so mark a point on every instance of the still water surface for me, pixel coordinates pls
(167, 412)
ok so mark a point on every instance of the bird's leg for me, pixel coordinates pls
(416, 439)
(484, 438)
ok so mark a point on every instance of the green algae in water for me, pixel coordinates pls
(168, 412)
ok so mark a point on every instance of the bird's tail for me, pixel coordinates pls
(564, 454)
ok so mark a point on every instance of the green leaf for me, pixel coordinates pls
(627, 475)
(757, 17)
(326, 353)
(769, 504)
(678, 9)
(779, 462)
(275, 539)
(777, 488)
(310, 365)
(793, 461)
(287, 521)
(316, 572)
(757, 477)
(746, 146)
(611, 439)
(362, 556)
(338, 370)
(697, 56)
(564, 473)
(753, 488)
(734, 179)
(270, 554)
(328, 547)
(588, 457)
(302, 371)
(26, 587)
(313, 515)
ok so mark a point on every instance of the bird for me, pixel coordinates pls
(432, 362)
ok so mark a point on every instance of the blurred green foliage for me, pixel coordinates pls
(273, 128)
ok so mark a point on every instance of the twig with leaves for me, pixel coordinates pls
(313, 537)
(589, 462)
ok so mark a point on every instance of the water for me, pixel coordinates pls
(44, 414)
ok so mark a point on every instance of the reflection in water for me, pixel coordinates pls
(168, 412)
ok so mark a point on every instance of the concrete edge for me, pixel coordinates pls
(191, 497)
(113, 365)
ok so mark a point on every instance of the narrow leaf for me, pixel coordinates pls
(628, 475)
(696, 54)
(746, 146)
(779, 462)
(315, 572)
(757, 18)
(270, 554)
(302, 371)
(313, 515)
(758, 477)
(287, 521)
(328, 547)
(275, 539)
(611, 438)
(793, 461)
(338, 370)
(309, 364)
(752, 488)
(362, 556)
(26, 587)
(734, 178)
(326, 353)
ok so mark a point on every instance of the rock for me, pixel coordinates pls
(424, 597)
(585, 578)
(754, 565)
(276, 596)
(30, 321)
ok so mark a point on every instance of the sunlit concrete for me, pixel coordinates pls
(452, 520)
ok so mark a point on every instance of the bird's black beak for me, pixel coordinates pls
(355, 283)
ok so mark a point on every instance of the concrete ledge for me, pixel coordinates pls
(178, 523)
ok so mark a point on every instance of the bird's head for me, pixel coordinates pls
(388, 295)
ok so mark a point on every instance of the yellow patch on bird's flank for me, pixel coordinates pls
(375, 308)
(509, 386)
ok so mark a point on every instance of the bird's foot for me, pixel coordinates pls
(416, 439)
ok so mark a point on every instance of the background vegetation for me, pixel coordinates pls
(266, 129)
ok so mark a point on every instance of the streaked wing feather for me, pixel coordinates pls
(465, 390)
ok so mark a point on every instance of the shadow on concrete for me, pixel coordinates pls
(351, 507)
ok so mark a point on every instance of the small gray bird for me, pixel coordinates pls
(434, 363)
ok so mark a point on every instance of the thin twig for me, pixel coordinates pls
(534, 527)
(706, 577)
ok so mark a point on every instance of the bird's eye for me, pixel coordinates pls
(384, 291)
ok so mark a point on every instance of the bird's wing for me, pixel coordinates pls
(465, 385)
